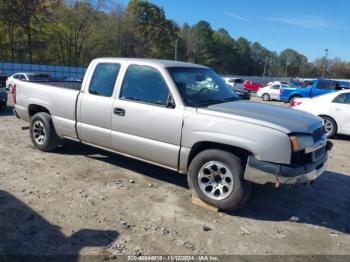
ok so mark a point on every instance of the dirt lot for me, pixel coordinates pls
(81, 200)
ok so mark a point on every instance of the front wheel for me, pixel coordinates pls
(216, 177)
(42, 132)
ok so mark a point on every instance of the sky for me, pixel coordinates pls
(308, 26)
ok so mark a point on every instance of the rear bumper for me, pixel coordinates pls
(261, 172)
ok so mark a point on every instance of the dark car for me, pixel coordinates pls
(3, 79)
(241, 92)
(3, 98)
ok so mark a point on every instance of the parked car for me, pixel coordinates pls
(271, 92)
(73, 79)
(241, 92)
(26, 77)
(3, 78)
(252, 85)
(234, 82)
(3, 98)
(167, 113)
(333, 108)
(318, 87)
(278, 83)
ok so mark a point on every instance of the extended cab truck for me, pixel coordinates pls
(318, 87)
(182, 117)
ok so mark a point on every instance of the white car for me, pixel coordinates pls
(270, 92)
(25, 77)
(234, 82)
(333, 108)
(278, 83)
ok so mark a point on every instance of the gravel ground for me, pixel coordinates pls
(81, 200)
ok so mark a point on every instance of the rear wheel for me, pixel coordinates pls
(42, 132)
(330, 126)
(291, 100)
(216, 177)
(266, 97)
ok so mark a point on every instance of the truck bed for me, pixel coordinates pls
(59, 98)
(64, 84)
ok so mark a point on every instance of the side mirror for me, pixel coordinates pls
(170, 102)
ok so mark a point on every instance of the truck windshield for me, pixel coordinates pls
(200, 87)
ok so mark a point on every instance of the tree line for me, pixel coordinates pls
(73, 32)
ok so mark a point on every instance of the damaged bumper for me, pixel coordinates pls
(261, 172)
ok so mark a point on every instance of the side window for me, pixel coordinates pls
(145, 84)
(16, 76)
(103, 79)
(276, 87)
(342, 99)
(325, 85)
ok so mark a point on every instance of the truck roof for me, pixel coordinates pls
(155, 62)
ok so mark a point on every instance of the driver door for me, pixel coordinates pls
(143, 124)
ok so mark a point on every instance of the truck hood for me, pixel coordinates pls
(283, 119)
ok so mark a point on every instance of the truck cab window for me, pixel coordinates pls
(325, 85)
(103, 79)
(145, 84)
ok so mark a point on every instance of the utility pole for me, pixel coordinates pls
(325, 63)
(176, 41)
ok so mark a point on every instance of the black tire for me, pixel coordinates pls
(330, 123)
(2, 107)
(50, 139)
(266, 97)
(240, 191)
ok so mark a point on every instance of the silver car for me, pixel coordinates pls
(180, 116)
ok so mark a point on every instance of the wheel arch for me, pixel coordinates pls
(293, 95)
(199, 147)
(35, 108)
(325, 115)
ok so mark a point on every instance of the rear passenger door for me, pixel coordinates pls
(96, 105)
(323, 87)
(144, 124)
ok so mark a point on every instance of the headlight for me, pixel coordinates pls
(300, 142)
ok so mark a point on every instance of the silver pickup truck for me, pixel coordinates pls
(182, 117)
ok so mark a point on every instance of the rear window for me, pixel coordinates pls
(39, 77)
(103, 79)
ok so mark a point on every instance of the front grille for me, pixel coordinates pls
(318, 154)
(318, 134)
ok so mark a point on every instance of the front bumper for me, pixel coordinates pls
(261, 172)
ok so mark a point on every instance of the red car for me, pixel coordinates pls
(252, 85)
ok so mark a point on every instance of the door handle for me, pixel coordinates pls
(119, 111)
